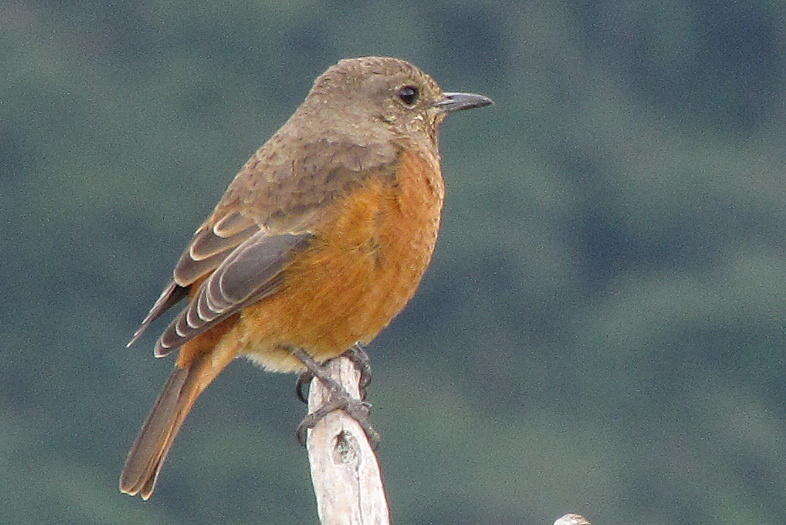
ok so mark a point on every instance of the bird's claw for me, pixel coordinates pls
(357, 410)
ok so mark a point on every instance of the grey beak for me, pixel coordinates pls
(457, 101)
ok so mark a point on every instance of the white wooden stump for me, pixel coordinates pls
(344, 468)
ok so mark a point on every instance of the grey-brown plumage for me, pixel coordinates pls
(146, 455)
(246, 275)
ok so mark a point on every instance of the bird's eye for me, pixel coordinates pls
(408, 95)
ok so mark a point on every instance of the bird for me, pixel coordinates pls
(318, 242)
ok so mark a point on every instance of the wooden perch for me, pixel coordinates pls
(344, 468)
(572, 519)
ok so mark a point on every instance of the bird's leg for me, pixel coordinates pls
(339, 398)
(362, 363)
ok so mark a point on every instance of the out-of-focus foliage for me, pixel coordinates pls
(602, 330)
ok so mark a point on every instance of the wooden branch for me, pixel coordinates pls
(572, 519)
(344, 468)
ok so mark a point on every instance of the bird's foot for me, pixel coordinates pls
(357, 410)
(362, 363)
(339, 398)
(303, 380)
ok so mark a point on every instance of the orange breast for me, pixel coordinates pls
(364, 266)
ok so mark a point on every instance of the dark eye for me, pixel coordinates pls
(408, 95)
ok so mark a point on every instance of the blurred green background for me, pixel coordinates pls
(602, 330)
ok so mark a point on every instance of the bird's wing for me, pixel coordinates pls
(248, 274)
(264, 216)
(224, 231)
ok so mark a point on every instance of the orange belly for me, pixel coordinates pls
(364, 266)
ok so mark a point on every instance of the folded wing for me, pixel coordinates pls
(224, 231)
(235, 257)
(249, 273)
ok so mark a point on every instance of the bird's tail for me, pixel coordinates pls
(150, 449)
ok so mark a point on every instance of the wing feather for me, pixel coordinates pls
(207, 244)
(252, 271)
(232, 224)
(171, 295)
(206, 251)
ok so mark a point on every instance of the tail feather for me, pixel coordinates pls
(150, 449)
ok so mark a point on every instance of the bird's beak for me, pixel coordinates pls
(451, 102)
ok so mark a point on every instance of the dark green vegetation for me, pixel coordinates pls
(602, 330)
